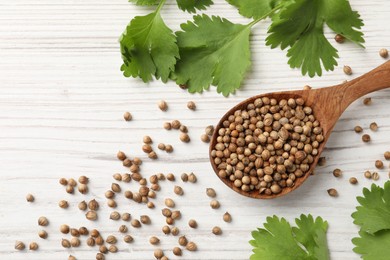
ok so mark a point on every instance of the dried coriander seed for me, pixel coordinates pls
(367, 101)
(121, 155)
(166, 230)
(19, 245)
(169, 203)
(43, 221)
(214, 204)
(113, 249)
(358, 129)
(375, 176)
(103, 249)
(192, 178)
(64, 229)
(91, 215)
(117, 176)
(82, 205)
(191, 105)
(126, 177)
(383, 53)
(170, 177)
(170, 221)
(167, 126)
(209, 130)
(347, 70)
(168, 148)
(115, 187)
(337, 172)
(126, 217)
(63, 181)
(135, 223)
(111, 203)
(387, 155)
(127, 116)
(353, 180)
(332, 192)
(100, 256)
(366, 138)
(115, 215)
(71, 257)
(127, 162)
(145, 219)
(93, 205)
(379, 164)
(162, 105)
(74, 232)
(178, 190)
(111, 239)
(75, 242)
(183, 241)
(191, 246)
(95, 233)
(227, 217)
(177, 251)
(30, 198)
(65, 243)
(367, 174)
(83, 179)
(82, 188)
(161, 146)
(42, 234)
(176, 124)
(154, 240)
(216, 231)
(83, 231)
(147, 140)
(183, 129)
(158, 253)
(175, 231)
(128, 239)
(374, 126)
(339, 38)
(150, 204)
(153, 155)
(176, 214)
(99, 240)
(211, 192)
(72, 182)
(184, 177)
(192, 223)
(91, 241)
(205, 138)
(69, 189)
(185, 138)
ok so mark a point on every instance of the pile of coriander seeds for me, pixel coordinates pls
(268, 145)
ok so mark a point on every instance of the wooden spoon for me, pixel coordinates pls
(327, 103)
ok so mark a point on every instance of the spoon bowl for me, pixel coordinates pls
(327, 103)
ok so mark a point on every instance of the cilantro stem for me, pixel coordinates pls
(160, 5)
(251, 24)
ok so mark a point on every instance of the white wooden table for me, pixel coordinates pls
(62, 97)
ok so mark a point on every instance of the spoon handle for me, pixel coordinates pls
(376, 79)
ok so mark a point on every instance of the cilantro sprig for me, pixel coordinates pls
(373, 217)
(278, 240)
(214, 51)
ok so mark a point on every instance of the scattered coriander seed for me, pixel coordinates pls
(169, 203)
(191, 246)
(166, 212)
(111, 239)
(151, 194)
(75, 242)
(91, 215)
(128, 239)
(69, 189)
(150, 204)
(135, 223)
(183, 241)
(145, 219)
(115, 215)
(216, 230)
(227, 217)
(74, 232)
(99, 240)
(103, 249)
(82, 205)
(117, 176)
(333, 192)
(167, 126)
(192, 178)
(175, 231)
(154, 240)
(137, 197)
(147, 140)
(184, 177)
(170, 177)
(162, 105)
(358, 129)
(353, 180)
(347, 70)
(185, 138)
(63, 181)
(42, 234)
(211, 192)
(152, 155)
(90, 241)
(63, 204)
(205, 138)
(136, 176)
(366, 138)
(158, 253)
(383, 53)
(128, 194)
(387, 155)
(161, 146)
(43, 221)
(307, 87)
(166, 230)
(177, 251)
(337, 173)
(367, 101)
(339, 38)
(121, 155)
(168, 148)
(127, 162)
(72, 182)
(65, 243)
(379, 164)
(126, 177)
(375, 176)
(93, 205)
(170, 221)
(192, 223)
(19, 245)
(100, 256)
(367, 174)
(178, 190)
(176, 214)
(95, 233)
(374, 126)
(83, 231)
(126, 217)
(191, 105)
(111, 203)
(176, 124)
(64, 229)
(127, 116)
(209, 130)
(115, 187)
(214, 204)
(83, 179)
(71, 257)
(147, 148)
(153, 179)
(109, 194)
(113, 249)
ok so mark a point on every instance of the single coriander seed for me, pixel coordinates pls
(214, 204)
(113, 249)
(63, 204)
(209, 130)
(19, 245)
(383, 53)
(43, 221)
(71, 257)
(91, 215)
(93, 205)
(358, 129)
(111, 239)
(339, 38)
(169, 203)
(154, 240)
(83, 179)
(83, 231)
(82, 205)
(127, 116)
(387, 155)
(170, 177)
(75, 242)
(183, 241)
(185, 138)
(42, 234)
(332, 192)
(178, 190)
(216, 231)
(192, 223)
(366, 138)
(205, 138)
(162, 105)
(65, 243)
(176, 124)
(121, 155)
(227, 217)
(64, 229)
(145, 219)
(175, 231)
(115, 215)
(191, 246)
(184, 177)
(211, 192)
(367, 101)
(353, 180)
(63, 181)
(135, 223)
(72, 182)
(192, 178)
(158, 253)
(337, 172)
(83, 188)
(30, 198)
(374, 126)
(168, 148)
(367, 174)
(375, 176)
(166, 230)
(147, 139)
(128, 239)
(74, 232)
(167, 126)
(100, 256)
(347, 70)
(177, 251)
(191, 105)
(379, 164)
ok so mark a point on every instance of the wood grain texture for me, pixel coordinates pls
(62, 97)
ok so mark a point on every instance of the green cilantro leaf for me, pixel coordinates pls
(145, 2)
(279, 241)
(373, 247)
(374, 213)
(192, 5)
(299, 25)
(212, 51)
(148, 48)
(254, 8)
